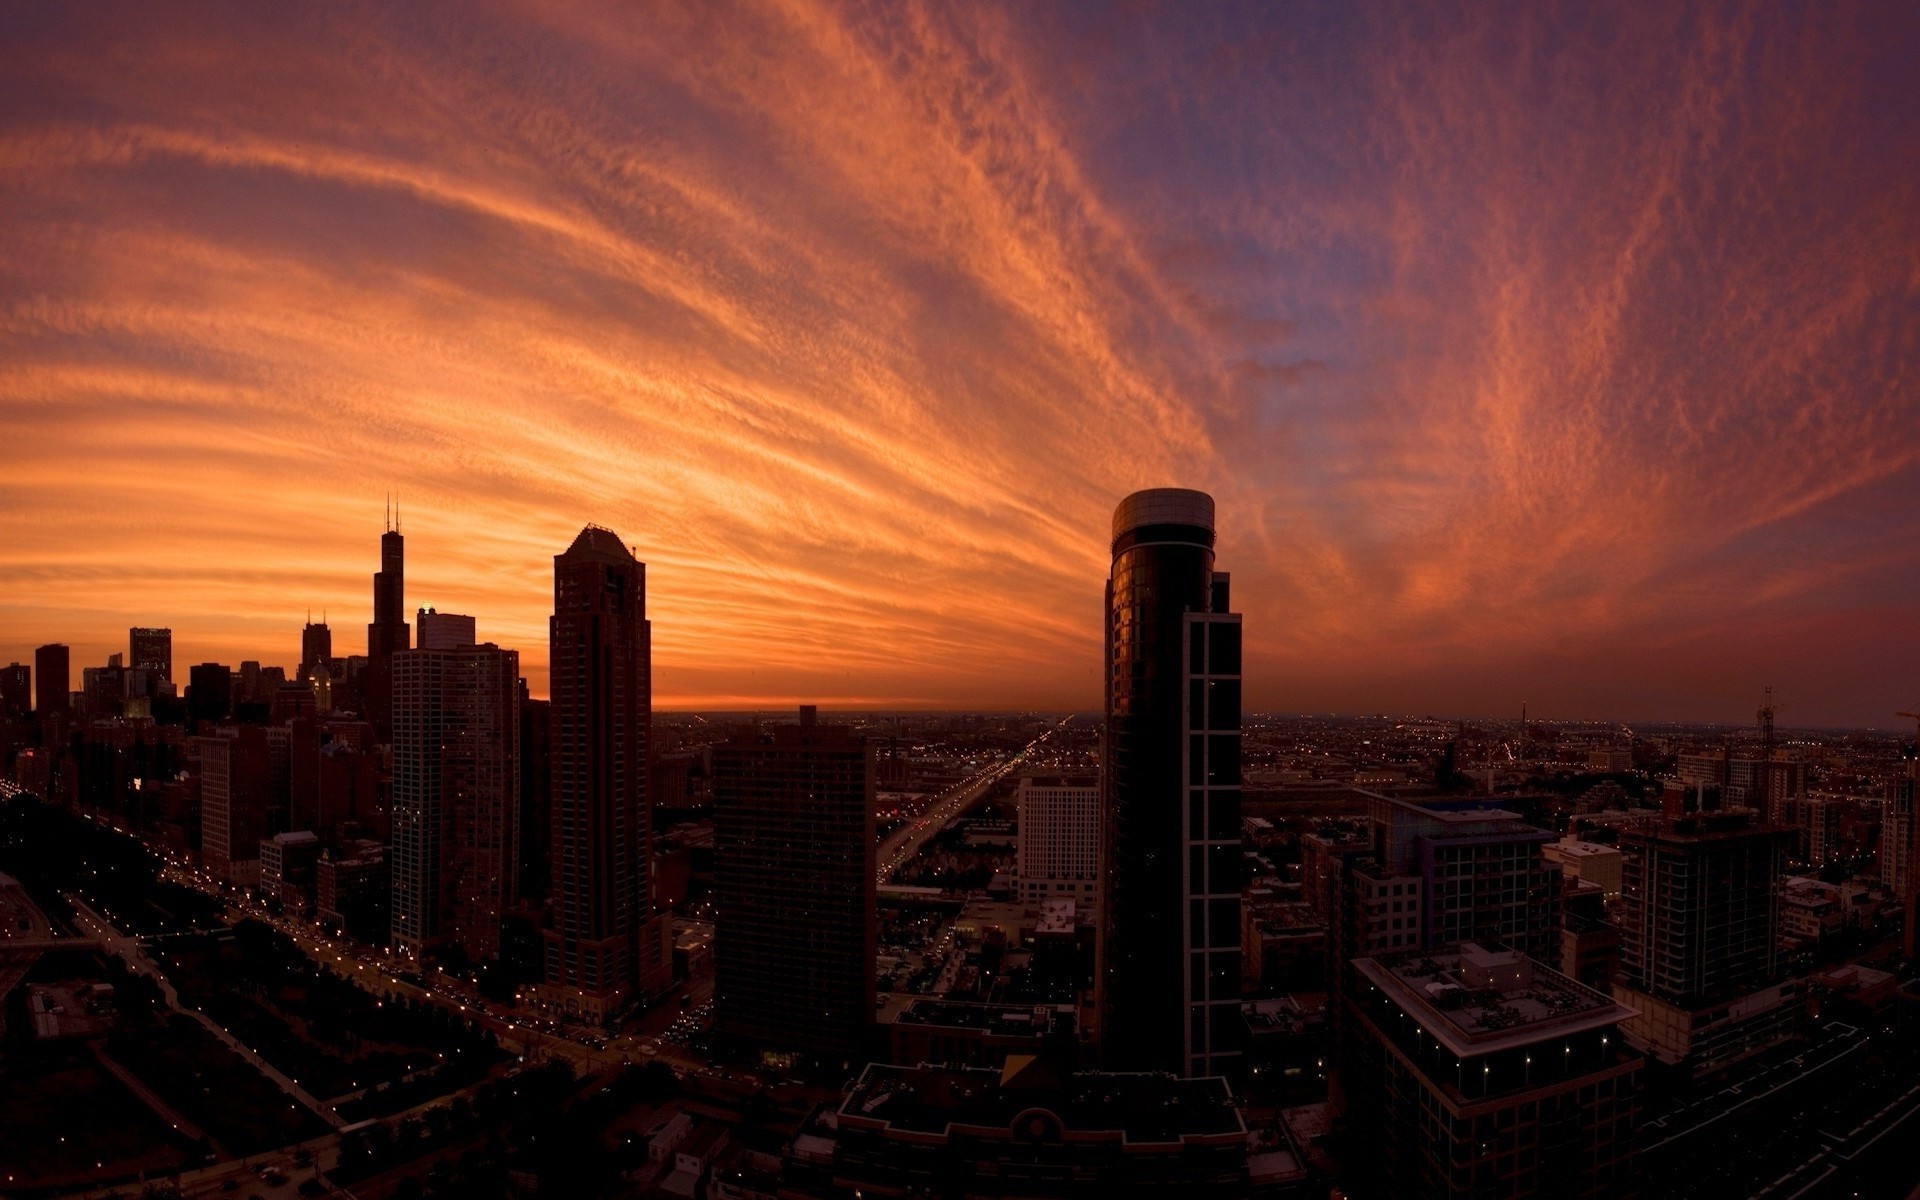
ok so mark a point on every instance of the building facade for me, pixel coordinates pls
(456, 787)
(605, 945)
(794, 881)
(1058, 853)
(1169, 977)
(52, 678)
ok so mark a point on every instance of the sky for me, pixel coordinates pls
(1565, 355)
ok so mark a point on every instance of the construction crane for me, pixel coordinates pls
(1765, 715)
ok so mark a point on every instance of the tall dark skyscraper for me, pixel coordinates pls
(1170, 952)
(16, 691)
(604, 946)
(316, 648)
(53, 678)
(794, 880)
(389, 634)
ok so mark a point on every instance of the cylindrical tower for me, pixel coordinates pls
(1164, 757)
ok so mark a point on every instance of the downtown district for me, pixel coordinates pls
(389, 926)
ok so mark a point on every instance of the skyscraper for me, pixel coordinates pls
(316, 649)
(794, 888)
(53, 678)
(604, 945)
(388, 635)
(1170, 952)
(151, 650)
(456, 781)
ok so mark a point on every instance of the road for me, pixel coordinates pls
(908, 840)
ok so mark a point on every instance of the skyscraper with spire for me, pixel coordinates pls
(389, 633)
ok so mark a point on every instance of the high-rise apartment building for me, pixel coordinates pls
(151, 650)
(388, 635)
(1058, 852)
(53, 678)
(605, 945)
(1170, 951)
(1897, 840)
(1481, 871)
(1699, 938)
(454, 854)
(442, 631)
(794, 880)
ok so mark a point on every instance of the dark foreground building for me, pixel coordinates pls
(606, 946)
(794, 879)
(1170, 976)
(1475, 1072)
(1024, 1131)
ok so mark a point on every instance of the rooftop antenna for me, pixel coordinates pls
(396, 512)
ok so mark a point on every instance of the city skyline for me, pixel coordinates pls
(1539, 361)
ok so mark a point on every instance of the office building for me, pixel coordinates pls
(1169, 979)
(1472, 1072)
(443, 631)
(53, 678)
(454, 854)
(316, 650)
(209, 694)
(606, 944)
(151, 650)
(1595, 862)
(388, 634)
(1699, 936)
(16, 691)
(234, 782)
(1058, 852)
(794, 879)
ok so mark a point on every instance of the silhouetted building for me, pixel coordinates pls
(536, 795)
(443, 631)
(1170, 978)
(1479, 1073)
(151, 649)
(209, 694)
(388, 635)
(316, 650)
(605, 945)
(794, 890)
(16, 691)
(454, 855)
(53, 678)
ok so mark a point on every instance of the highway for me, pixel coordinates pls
(907, 841)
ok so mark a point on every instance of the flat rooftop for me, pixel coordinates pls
(999, 1019)
(1471, 1021)
(1139, 1108)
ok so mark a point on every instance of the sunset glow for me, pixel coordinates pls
(1542, 355)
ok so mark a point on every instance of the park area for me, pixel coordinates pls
(335, 1039)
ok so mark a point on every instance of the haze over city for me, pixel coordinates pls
(1532, 353)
